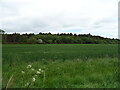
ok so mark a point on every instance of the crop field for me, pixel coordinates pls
(60, 66)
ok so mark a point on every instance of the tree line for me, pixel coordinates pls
(60, 38)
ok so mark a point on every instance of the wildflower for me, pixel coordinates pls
(40, 69)
(38, 72)
(35, 75)
(33, 79)
(32, 69)
(22, 72)
(29, 66)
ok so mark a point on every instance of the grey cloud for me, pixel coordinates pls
(29, 16)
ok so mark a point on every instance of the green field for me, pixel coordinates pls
(63, 66)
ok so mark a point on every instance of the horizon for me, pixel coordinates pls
(59, 33)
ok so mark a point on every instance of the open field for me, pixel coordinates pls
(62, 65)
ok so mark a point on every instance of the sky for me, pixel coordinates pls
(97, 17)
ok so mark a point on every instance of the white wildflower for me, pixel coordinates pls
(33, 79)
(38, 72)
(35, 75)
(22, 72)
(29, 66)
(32, 69)
(40, 69)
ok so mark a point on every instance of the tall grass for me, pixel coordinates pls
(29, 53)
(93, 73)
(65, 66)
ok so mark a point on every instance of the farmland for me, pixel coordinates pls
(63, 65)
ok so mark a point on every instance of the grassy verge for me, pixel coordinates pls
(76, 73)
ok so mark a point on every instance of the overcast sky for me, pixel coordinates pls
(98, 17)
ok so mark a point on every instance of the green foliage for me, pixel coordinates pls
(58, 51)
(62, 38)
(23, 39)
(65, 65)
(94, 73)
(31, 40)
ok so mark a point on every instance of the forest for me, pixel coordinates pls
(59, 38)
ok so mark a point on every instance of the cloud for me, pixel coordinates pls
(98, 17)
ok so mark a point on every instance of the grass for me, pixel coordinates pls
(64, 65)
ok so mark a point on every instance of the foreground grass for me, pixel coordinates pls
(64, 65)
(76, 73)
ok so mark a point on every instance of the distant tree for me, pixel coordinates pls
(75, 34)
(16, 37)
(23, 39)
(57, 38)
(31, 40)
(71, 34)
